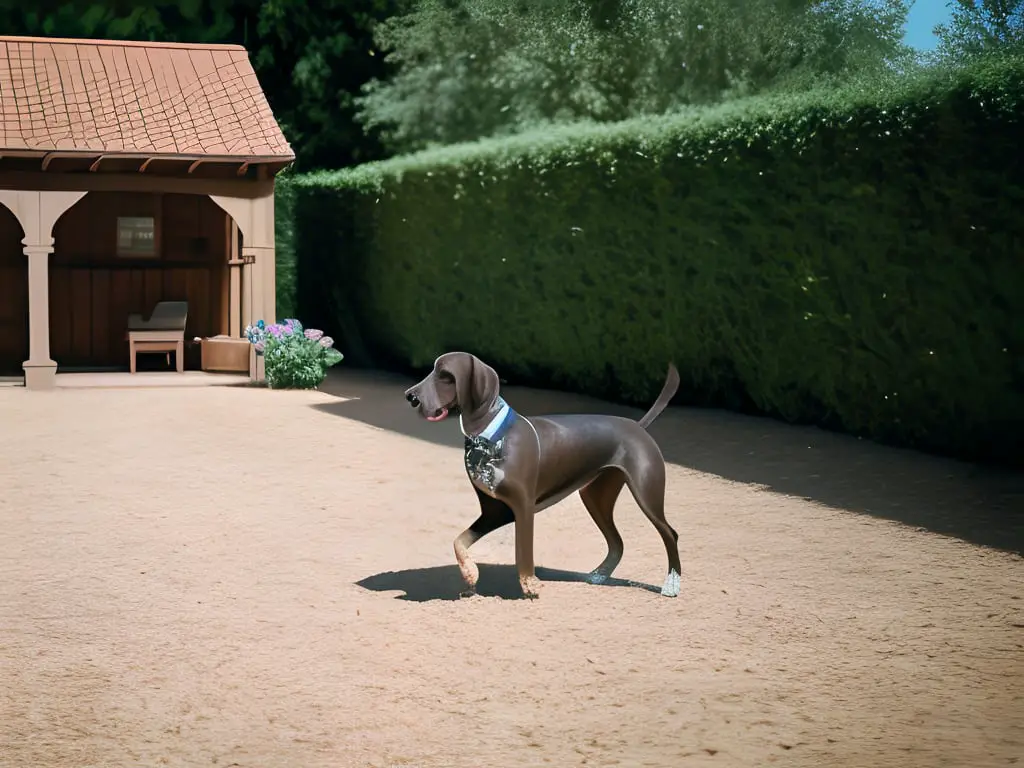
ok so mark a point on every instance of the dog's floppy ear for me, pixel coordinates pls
(476, 383)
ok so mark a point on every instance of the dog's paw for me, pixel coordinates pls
(470, 573)
(531, 587)
(672, 585)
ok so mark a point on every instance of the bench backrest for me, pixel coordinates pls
(169, 314)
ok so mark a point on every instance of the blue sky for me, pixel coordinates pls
(923, 17)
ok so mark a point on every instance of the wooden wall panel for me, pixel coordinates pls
(174, 283)
(153, 290)
(81, 310)
(92, 290)
(13, 296)
(137, 292)
(120, 306)
(100, 315)
(60, 316)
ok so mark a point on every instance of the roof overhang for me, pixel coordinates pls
(187, 164)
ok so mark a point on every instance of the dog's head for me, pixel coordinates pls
(459, 383)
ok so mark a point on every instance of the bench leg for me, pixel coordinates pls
(179, 357)
(131, 357)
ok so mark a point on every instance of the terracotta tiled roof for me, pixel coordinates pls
(162, 99)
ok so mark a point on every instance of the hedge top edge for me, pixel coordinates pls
(996, 81)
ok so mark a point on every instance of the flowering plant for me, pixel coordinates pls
(295, 358)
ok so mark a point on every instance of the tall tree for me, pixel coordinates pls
(471, 68)
(978, 27)
(312, 59)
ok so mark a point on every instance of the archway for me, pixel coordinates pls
(13, 296)
(96, 281)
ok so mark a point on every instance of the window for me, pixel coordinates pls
(136, 236)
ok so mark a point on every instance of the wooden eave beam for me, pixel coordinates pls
(51, 156)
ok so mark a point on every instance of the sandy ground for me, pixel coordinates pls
(231, 576)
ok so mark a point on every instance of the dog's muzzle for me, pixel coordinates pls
(413, 400)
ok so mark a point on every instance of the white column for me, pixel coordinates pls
(37, 212)
(253, 306)
(257, 259)
(255, 219)
(247, 309)
(40, 370)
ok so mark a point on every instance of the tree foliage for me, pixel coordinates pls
(312, 59)
(980, 27)
(472, 68)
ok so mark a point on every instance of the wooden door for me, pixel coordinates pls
(13, 296)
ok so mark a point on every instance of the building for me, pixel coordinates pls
(130, 173)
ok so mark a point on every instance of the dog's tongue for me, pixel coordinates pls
(440, 417)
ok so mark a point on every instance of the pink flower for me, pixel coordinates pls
(313, 334)
(326, 342)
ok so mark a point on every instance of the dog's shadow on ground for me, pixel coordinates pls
(444, 582)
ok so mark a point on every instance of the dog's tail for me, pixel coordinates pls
(667, 392)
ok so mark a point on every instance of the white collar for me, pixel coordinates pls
(494, 423)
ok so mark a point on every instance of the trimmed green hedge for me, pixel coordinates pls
(285, 268)
(847, 258)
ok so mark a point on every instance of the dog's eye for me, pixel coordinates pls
(446, 377)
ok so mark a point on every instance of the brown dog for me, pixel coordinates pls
(519, 466)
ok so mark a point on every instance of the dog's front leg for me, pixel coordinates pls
(528, 580)
(518, 489)
(493, 515)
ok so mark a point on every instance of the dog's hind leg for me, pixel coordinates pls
(647, 484)
(599, 497)
(494, 514)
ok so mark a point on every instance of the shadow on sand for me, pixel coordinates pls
(444, 582)
(978, 504)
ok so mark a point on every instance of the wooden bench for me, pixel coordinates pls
(157, 341)
(164, 331)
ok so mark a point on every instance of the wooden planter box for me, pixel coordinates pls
(225, 354)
